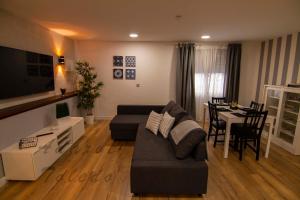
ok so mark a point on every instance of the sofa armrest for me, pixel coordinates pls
(138, 109)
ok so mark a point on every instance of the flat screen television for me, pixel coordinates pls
(24, 73)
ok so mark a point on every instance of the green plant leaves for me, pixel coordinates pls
(89, 88)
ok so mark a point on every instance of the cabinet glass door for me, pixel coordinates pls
(289, 116)
(272, 104)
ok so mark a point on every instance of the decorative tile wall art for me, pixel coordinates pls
(118, 73)
(130, 61)
(118, 61)
(130, 74)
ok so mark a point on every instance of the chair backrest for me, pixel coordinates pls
(256, 106)
(213, 112)
(261, 124)
(255, 121)
(210, 112)
(218, 100)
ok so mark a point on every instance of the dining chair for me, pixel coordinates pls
(256, 106)
(249, 131)
(219, 100)
(215, 123)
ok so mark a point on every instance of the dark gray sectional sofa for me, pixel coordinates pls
(155, 168)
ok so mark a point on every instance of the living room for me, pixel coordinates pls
(132, 141)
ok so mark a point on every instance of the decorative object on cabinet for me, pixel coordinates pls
(284, 103)
(28, 142)
(63, 91)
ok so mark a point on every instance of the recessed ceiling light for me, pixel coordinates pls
(178, 17)
(133, 35)
(205, 37)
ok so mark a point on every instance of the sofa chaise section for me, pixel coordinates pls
(125, 124)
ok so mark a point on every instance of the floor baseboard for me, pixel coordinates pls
(2, 181)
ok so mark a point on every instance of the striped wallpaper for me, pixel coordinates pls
(279, 62)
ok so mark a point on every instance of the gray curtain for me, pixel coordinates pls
(232, 72)
(185, 77)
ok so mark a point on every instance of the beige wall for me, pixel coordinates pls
(21, 34)
(249, 71)
(155, 72)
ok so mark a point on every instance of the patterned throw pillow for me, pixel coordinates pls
(154, 122)
(166, 124)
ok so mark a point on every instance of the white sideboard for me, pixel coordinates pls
(30, 163)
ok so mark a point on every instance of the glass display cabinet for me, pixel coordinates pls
(284, 103)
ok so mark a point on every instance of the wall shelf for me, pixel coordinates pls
(273, 107)
(289, 122)
(293, 101)
(17, 109)
(291, 111)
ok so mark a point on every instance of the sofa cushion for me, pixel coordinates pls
(138, 109)
(153, 122)
(176, 109)
(178, 112)
(182, 117)
(166, 124)
(183, 129)
(149, 147)
(222, 124)
(185, 137)
(127, 122)
(200, 151)
(186, 146)
(168, 107)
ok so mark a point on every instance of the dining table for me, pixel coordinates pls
(229, 116)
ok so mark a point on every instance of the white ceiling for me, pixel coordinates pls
(154, 20)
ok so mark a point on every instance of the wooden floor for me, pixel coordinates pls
(98, 168)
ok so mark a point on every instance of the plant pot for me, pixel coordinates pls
(89, 119)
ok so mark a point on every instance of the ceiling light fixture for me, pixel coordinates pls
(205, 37)
(133, 35)
(178, 17)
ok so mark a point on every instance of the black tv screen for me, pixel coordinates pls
(24, 73)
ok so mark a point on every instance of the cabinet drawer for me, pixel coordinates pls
(18, 166)
(78, 130)
(45, 157)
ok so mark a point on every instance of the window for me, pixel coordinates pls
(209, 75)
(213, 85)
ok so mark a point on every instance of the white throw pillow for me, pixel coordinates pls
(154, 122)
(166, 124)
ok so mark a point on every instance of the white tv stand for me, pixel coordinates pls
(30, 163)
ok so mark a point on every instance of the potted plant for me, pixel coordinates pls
(89, 89)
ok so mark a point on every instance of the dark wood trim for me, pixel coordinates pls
(17, 109)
